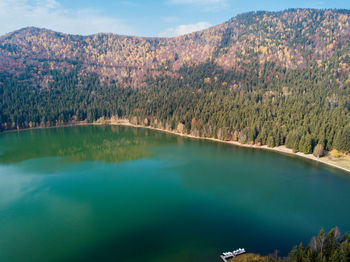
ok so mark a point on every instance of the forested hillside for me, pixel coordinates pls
(325, 247)
(263, 77)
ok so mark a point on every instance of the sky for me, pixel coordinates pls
(166, 18)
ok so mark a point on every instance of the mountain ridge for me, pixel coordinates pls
(275, 78)
(338, 10)
(264, 36)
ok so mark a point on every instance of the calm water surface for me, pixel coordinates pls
(127, 194)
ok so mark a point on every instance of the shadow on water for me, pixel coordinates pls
(91, 143)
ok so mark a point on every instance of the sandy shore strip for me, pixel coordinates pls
(342, 163)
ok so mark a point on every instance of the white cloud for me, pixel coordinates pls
(207, 5)
(16, 14)
(185, 29)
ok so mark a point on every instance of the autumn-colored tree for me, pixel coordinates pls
(318, 151)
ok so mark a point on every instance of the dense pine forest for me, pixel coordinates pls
(330, 247)
(275, 78)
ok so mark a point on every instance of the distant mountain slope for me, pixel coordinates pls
(261, 78)
(291, 39)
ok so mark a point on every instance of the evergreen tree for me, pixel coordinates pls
(342, 140)
(305, 144)
(271, 141)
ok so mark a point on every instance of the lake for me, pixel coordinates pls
(114, 193)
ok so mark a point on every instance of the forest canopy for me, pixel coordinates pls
(274, 78)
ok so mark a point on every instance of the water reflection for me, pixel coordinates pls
(94, 143)
(180, 200)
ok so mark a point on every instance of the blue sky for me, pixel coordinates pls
(136, 17)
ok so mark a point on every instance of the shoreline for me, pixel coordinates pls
(80, 123)
(279, 149)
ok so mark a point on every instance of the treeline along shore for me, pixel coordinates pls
(325, 247)
(264, 79)
(333, 158)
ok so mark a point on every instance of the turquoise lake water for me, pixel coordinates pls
(98, 193)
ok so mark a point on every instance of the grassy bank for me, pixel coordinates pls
(249, 258)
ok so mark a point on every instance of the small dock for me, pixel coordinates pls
(228, 255)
